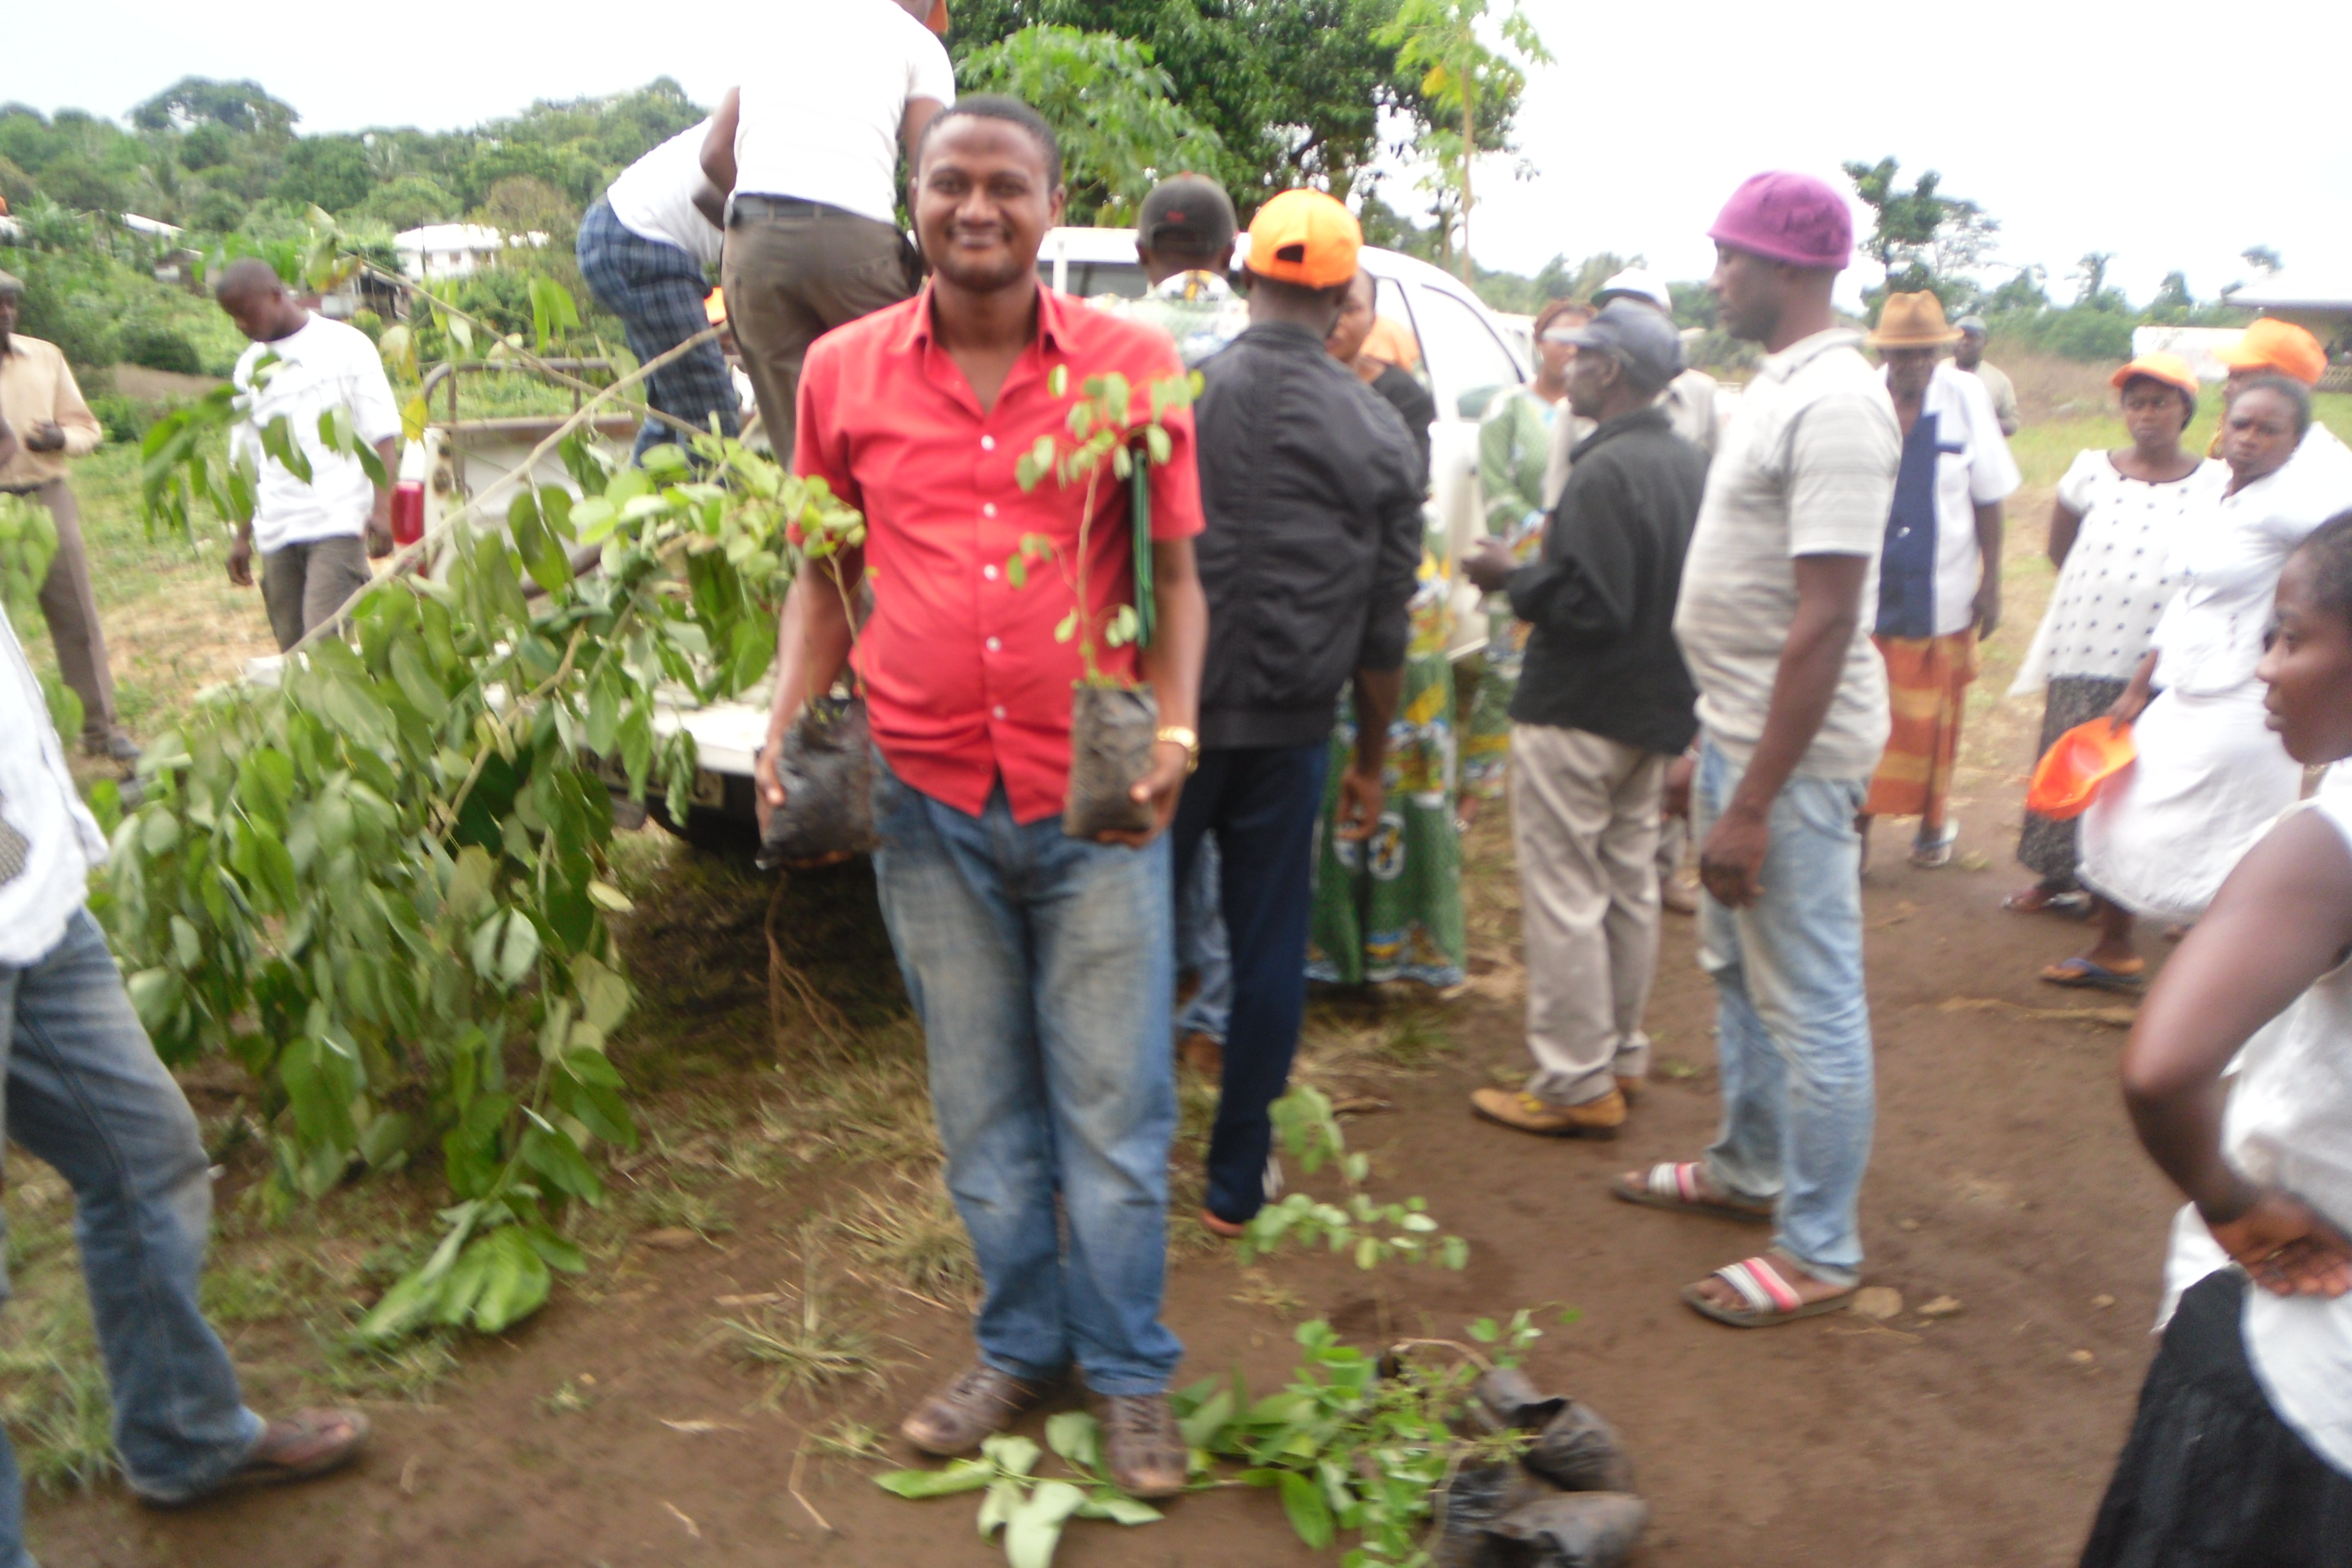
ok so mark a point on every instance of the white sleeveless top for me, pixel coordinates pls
(2289, 1125)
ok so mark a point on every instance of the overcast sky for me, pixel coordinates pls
(2079, 126)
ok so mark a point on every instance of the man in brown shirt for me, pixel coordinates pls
(39, 399)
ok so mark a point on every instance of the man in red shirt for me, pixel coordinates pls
(1039, 964)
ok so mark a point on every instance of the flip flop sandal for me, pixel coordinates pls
(1769, 1298)
(1674, 1185)
(292, 1448)
(2072, 905)
(2082, 974)
(1934, 854)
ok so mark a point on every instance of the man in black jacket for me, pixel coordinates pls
(1312, 493)
(1603, 704)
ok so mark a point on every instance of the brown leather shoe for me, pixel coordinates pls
(1142, 1448)
(1529, 1113)
(292, 1448)
(981, 1403)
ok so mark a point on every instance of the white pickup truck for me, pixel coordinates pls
(1468, 356)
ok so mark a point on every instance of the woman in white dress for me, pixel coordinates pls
(2112, 531)
(2242, 1448)
(2209, 777)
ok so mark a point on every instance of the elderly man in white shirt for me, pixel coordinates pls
(807, 158)
(646, 250)
(85, 1091)
(1939, 576)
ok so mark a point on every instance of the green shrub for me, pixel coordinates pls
(159, 348)
(126, 418)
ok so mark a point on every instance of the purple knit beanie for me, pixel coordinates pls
(1793, 218)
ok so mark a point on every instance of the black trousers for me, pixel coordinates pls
(1261, 801)
(2211, 1477)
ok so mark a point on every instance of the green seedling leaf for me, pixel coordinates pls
(959, 1476)
(1035, 1527)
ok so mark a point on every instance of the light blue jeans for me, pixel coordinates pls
(1792, 1024)
(85, 1092)
(1043, 970)
(1203, 947)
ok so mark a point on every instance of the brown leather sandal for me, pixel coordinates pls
(292, 1448)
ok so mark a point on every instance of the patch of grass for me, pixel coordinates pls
(909, 1232)
(1259, 1289)
(878, 1110)
(848, 1439)
(53, 1394)
(670, 1207)
(569, 1399)
(804, 1350)
(241, 1293)
(407, 1371)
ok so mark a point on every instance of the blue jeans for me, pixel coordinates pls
(1792, 1024)
(1041, 969)
(657, 291)
(1261, 803)
(1201, 947)
(86, 1092)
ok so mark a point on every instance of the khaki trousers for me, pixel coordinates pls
(794, 271)
(69, 605)
(1584, 821)
(303, 584)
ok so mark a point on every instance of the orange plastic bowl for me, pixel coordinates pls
(2077, 763)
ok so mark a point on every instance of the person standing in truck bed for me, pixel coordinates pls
(808, 160)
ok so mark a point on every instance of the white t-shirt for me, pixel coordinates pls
(48, 840)
(324, 363)
(2227, 562)
(1806, 466)
(2289, 1125)
(827, 130)
(1929, 574)
(653, 198)
(2118, 576)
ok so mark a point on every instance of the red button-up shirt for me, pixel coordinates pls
(964, 683)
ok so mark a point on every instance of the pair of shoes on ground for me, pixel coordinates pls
(1142, 1447)
(1517, 1107)
(1768, 1289)
(297, 1447)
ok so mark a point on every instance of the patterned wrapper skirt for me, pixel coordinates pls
(1928, 692)
(1390, 907)
(2046, 847)
(2211, 1477)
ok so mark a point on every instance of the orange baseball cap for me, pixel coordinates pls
(938, 20)
(2273, 344)
(1305, 237)
(2169, 369)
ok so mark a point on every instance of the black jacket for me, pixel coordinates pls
(1313, 493)
(1603, 656)
(1403, 391)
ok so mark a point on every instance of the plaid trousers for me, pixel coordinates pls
(658, 291)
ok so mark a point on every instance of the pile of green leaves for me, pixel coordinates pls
(380, 884)
(1355, 1442)
(1030, 1511)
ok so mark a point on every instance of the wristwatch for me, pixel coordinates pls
(1177, 735)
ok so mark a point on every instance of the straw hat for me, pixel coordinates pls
(1912, 321)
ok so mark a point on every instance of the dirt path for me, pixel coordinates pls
(612, 1431)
